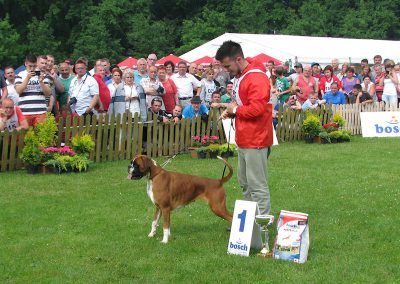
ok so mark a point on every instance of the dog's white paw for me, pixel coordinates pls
(164, 241)
(151, 234)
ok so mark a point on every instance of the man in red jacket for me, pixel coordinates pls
(104, 92)
(253, 121)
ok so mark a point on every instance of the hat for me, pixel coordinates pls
(314, 63)
(196, 99)
(298, 65)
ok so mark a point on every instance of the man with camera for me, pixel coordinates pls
(83, 91)
(33, 88)
(155, 108)
(152, 86)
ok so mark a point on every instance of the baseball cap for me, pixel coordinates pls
(196, 99)
(314, 63)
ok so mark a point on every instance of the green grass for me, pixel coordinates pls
(92, 227)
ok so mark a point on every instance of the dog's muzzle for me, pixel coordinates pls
(134, 172)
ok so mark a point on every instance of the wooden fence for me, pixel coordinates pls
(120, 137)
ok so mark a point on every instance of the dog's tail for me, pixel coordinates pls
(228, 177)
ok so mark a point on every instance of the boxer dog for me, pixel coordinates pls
(170, 190)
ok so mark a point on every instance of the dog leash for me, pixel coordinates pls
(168, 161)
(229, 139)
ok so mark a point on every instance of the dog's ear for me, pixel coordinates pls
(146, 164)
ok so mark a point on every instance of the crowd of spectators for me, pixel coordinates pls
(179, 91)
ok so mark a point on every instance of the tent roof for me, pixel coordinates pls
(175, 59)
(305, 49)
(128, 62)
(204, 60)
(263, 58)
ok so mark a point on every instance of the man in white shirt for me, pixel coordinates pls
(9, 73)
(185, 84)
(83, 91)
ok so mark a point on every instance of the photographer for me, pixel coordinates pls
(83, 91)
(155, 108)
(152, 86)
(389, 83)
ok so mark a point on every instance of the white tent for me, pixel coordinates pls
(302, 49)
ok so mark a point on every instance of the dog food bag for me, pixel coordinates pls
(292, 240)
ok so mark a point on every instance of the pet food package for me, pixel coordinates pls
(292, 239)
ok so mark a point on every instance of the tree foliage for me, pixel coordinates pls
(120, 28)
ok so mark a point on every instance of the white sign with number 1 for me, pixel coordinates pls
(244, 232)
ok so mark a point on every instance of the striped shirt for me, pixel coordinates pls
(32, 100)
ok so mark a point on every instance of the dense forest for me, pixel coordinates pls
(120, 28)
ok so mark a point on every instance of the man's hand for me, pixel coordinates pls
(215, 105)
(41, 77)
(228, 112)
(88, 110)
(165, 120)
(176, 119)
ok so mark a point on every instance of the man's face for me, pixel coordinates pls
(177, 111)
(42, 64)
(162, 74)
(334, 88)
(153, 72)
(64, 70)
(30, 66)
(9, 74)
(355, 91)
(50, 63)
(307, 71)
(378, 70)
(80, 69)
(193, 68)
(182, 69)
(100, 70)
(378, 60)
(151, 60)
(363, 64)
(231, 66)
(106, 66)
(313, 99)
(299, 70)
(315, 69)
(229, 88)
(156, 106)
(142, 67)
(367, 80)
(216, 98)
(8, 107)
(270, 66)
(196, 106)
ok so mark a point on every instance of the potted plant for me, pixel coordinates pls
(202, 152)
(324, 136)
(227, 150)
(54, 165)
(335, 136)
(79, 163)
(213, 150)
(64, 162)
(311, 127)
(31, 154)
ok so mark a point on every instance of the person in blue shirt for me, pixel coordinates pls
(195, 109)
(334, 96)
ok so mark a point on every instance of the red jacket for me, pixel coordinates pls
(254, 117)
(104, 92)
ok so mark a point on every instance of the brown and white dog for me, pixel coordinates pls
(170, 190)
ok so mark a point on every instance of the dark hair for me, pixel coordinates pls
(116, 70)
(378, 56)
(80, 61)
(42, 57)
(31, 58)
(161, 67)
(271, 61)
(169, 62)
(334, 83)
(156, 99)
(229, 49)
(328, 67)
(364, 60)
(350, 69)
(357, 86)
(366, 76)
(182, 62)
(216, 92)
(279, 70)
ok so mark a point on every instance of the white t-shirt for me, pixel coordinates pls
(12, 93)
(132, 105)
(83, 90)
(207, 88)
(185, 84)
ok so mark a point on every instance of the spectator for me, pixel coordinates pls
(377, 62)
(287, 71)
(292, 103)
(312, 102)
(358, 96)
(349, 81)
(152, 86)
(334, 96)
(42, 66)
(185, 84)
(220, 75)
(316, 72)
(9, 74)
(195, 109)
(227, 97)
(364, 62)
(378, 76)
(11, 116)
(141, 72)
(83, 91)
(170, 97)
(282, 85)
(299, 70)
(117, 93)
(65, 79)
(326, 81)
(397, 71)
(177, 113)
(306, 83)
(216, 100)
(169, 68)
(343, 72)
(33, 88)
(70, 65)
(270, 65)
(107, 71)
(335, 66)
(131, 92)
(58, 86)
(389, 83)
(3, 88)
(151, 60)
(208, 86)
(366, 71)
(104, 91)
(156, 104)
(193, 71)
(369, 87)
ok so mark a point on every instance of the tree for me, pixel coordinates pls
(11, 50)
(40, 38)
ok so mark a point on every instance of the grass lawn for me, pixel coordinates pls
(92, 227)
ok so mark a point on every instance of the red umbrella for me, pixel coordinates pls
(129, 62)
(207, 60)
(175, 59)
(263, 58)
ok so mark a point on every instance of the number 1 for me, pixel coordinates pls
(242, 217)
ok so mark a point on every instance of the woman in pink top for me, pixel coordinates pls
(306, 83)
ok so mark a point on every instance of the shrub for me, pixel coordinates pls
(47, 131)
(224, 148)
(338, 119)
(79, 163)
(324, 137)
(31, 153)
(311, 126)
(82, 144)
(214, 148)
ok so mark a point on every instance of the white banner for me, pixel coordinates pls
(380, 124)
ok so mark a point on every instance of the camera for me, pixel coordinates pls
(37, 73)
(72, 101)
